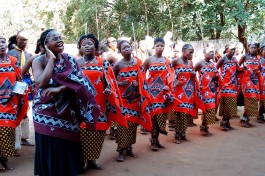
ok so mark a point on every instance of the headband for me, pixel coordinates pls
(93, 41)
(47, 36)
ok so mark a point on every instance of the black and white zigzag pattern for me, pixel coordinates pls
(229, 91)
(94, 68)
(158, 105)
(130, 112)
(148, 109)
(102, 119)
(106, 65)
(128, 74)
(205, 70)
(182, 70)
(142, 68)
(209, 100)
(252, 91)
(6, 116)
(251, 62)
(88, 115)
(54, 122)
(186, 105)
(157, 68)
(7, 69)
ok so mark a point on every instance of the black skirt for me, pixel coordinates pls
(57, 156)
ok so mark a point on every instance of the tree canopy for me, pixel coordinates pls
(188, 20)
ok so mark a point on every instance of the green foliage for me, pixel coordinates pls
(187, 19)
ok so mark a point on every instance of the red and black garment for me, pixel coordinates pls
(101, 76)
(13, 107)
(135, 99)
(159, 76)
(251, 79)
(208, 85)
(186, 91)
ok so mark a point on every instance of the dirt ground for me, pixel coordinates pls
(237, 152)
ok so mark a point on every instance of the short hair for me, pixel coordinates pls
(88, 36)
(11, 42)
(186, 46)
(120, 43)
(159, 39)
(37, 50)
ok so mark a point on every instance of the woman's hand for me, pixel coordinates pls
(49, 54)
(179, 83)
(51, 91)
(107, 91)
(135, 83)
(123, 83)
(166, 88)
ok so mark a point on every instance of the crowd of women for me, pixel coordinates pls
(77, 99)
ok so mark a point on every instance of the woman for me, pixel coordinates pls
(63, 95)
(262, 84)
(208, 84)
(25, 69)
(12, 110)
(101, 78)
(135, 99)
(159, 82)
(228, 87)
(250, 85)
(185, 93)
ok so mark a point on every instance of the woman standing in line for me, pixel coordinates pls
(228, 87)
(101, 78)
(250, 85)
(159, 82)
(12, 107)
(135, 99)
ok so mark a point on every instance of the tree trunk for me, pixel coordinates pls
(242, 37)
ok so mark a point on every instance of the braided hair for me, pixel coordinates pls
(91, 37)
(43, 37)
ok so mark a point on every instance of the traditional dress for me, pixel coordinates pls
(13, 107)
(57, 119)
(186, 94)
(228, 90)
(262, 88)
(208, 87)
(136, 105)
(22, 131)
(251, 87)
(101, 76)
(160, 75)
